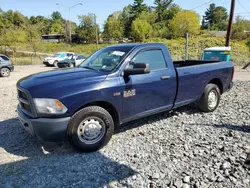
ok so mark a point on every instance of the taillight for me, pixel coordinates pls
(233, 73)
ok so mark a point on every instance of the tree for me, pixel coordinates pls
(56, 16)
(170, 13)
(185, 21)
(43, 23)
(141, 30)
(137, 8)
(56, 27)
(239, 28)
(87, 28)
(113, 28)
(33, 37)
(13, 37)
(126, 19)
(215, 18)
(161, 7)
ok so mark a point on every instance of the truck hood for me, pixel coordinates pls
(57, 78)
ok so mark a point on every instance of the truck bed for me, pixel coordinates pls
(186, 63)
(193, 76)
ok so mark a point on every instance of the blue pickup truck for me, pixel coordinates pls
(115, 85)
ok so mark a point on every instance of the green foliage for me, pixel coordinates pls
(141, 30)
(87, 28)
(137, 8)
(161, 7)
(215, 18)
(239, 29)
(56, 27)
(185, 21)
(113, 28)
(56, 16)
(13, 38)
(240, 50)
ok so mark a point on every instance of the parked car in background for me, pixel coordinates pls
(53, 60)
(6, 66)
(71, 62)
(117, 84)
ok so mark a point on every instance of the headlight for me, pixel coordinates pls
(49, 106)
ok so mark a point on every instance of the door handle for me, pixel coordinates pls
(165, 77)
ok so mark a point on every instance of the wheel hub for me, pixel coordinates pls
(5, 71)
(90, 130)
(212, 99)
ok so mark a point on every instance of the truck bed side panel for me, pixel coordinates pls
(193, 80)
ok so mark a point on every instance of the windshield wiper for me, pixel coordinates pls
(90, 68)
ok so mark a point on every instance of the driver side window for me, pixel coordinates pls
(154, 58)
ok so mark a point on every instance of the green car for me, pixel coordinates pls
(72, 61)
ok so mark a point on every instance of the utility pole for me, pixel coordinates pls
(69, 22)
(96, 31)
(186, 46)
(230, 23)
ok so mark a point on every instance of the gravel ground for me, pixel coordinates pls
(184, 148)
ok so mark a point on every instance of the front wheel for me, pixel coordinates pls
(5, 72)
(210, 99)
(90, 129)
(55, 63)
(71, 65)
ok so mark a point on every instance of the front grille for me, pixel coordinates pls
(25, 102)
(22, 94)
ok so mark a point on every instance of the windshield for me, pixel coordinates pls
(59, 55)
(106, 59)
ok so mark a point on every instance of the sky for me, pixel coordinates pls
(102, 8)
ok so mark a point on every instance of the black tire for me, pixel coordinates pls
(204, 103)
(55, 63)
(4, 72)
(87, 114)
(71, 65)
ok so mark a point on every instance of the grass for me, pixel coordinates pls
(240, 50)
(27, 61)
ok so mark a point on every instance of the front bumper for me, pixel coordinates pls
(47, 63)
(45, 129)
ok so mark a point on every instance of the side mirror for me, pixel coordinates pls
(139, 68)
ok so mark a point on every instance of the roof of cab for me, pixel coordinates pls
(132, 45)
(218, 49)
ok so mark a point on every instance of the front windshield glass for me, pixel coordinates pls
(59, 55)
(106, 59)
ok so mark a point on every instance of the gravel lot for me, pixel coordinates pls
(185, 148)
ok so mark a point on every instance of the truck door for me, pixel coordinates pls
(149, 93)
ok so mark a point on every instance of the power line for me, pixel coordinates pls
(203, 4)
(242, 6)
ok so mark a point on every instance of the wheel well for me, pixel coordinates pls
(107, 106)
(217, 82)
(6, 68)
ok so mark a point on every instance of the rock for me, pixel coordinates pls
(220, 178)
(178, 183)
(186, 179)
(156, 176)
(226, 165)
(185, 185)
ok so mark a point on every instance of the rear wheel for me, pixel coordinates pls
(5, 72)
(210, 98)
(90, 129)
